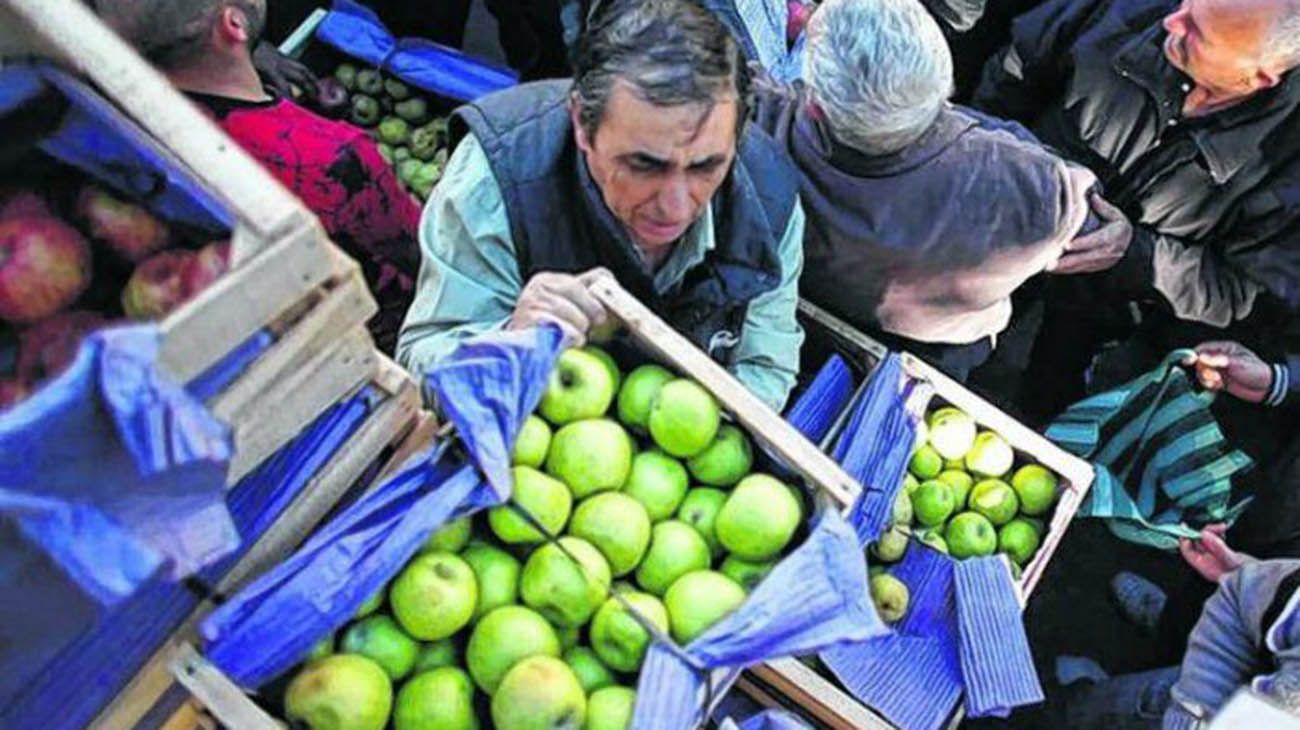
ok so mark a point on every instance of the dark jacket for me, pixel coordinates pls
(927, 243)
(559, 222)
(1214, 198)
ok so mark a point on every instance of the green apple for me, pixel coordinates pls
(569, 636)
(747, 574)
(566, 592)
(592, 674)
(533, 442)
(758, 519)
(891, 545)
(934, 538)
(725, 461)
(539, 693)
(684, 418)
(497, 574)
(435, 654)
(320, 649)
(610, 364)
(580, 388)
(1018, 539)
(960, 482)
(372, 604)
(926, 463)
(996, 500)
(1036, 488)
(434, 596)
(440, 699)
(450, 538)
(638, 393)
(548, 500)
(955, 464)
(381, 639)
(591, 456)
(675, 550)
(610, 708)
(617, 525)
(618, 638)
(502, 639)
(901, 514)
(951, 432)
(658, 482)
(932, 502)
(890, 595)
(991, 457)
(697, 601)
(700, 510)
(910, 483)
(970, 534)
(340, 692)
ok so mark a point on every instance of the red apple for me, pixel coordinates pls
(131, 231)
(13, 390)
(24, 203)
(157, 286)
(50, 345)
(44, 267)
(207, 266)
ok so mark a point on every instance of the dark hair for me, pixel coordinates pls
(672, 52)
(174, 33)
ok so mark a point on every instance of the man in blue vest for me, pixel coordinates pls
(642, 165)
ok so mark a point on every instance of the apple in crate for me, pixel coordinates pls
(49, 346)
(128, 229)
(21, 203)
(44, 267)
(168, 279)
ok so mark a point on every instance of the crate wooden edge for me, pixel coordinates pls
(389, 425)
(71, 33)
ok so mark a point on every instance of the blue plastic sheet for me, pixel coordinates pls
(356, 30)
(996, 664)
(820, 404)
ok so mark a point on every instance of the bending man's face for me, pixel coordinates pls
(658, 167)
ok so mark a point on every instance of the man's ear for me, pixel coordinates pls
(1267, 79)
(233, 26)
(580, 137)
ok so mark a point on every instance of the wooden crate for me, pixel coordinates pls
(823, 699)
(381, 437)
(221, 699)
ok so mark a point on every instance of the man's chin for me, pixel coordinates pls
(651, 236)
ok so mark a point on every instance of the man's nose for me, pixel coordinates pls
(675, 198)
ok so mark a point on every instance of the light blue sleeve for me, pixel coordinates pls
(469, 278)
(767, 358)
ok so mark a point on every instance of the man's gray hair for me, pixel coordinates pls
(1283, 40)
(879, 70)
(174, 33)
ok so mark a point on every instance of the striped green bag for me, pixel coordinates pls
(1163, 467)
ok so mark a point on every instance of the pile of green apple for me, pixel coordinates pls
(964, 496)
(644, 492)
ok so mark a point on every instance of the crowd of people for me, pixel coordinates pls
(1066, 197)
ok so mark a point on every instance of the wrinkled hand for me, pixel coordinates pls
(282, 72)
(562, 299)
(1230, 367)
(1101, 249)
(1209, 555)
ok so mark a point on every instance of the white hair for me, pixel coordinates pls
(880, 70)
(1283, 40)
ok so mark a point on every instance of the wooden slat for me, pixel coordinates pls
(817, 696)
(303, 395)
(867, 349)
(218, 693)
(70, 32)
(762, 423)
(246, 299)
(190, 716)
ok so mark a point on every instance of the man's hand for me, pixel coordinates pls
(282, 72)
(1209, 555)
(564, 300)
(1100, 249)
(1230, 367)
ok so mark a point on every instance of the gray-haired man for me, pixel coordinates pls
(643, 165)
(923, 217)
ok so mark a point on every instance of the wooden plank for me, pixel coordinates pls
(393, 378)
(218, 693)
(303, 395)
(72, 33)
(344, 307)
(190, 716)
(762, 423)
(868, 350)
(423, 433)
(246, 299)
(817, 696)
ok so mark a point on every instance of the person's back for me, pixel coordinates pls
(923, 217)
(335, 169)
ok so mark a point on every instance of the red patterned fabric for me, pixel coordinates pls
(337, 172)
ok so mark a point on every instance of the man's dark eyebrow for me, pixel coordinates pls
(645, 159)
(710, 161)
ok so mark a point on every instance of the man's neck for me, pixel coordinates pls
(237, 80)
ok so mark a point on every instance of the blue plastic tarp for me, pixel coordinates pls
(816, 409)
(357, 31)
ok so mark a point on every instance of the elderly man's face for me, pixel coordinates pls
(1220, 44)
(658, 167)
